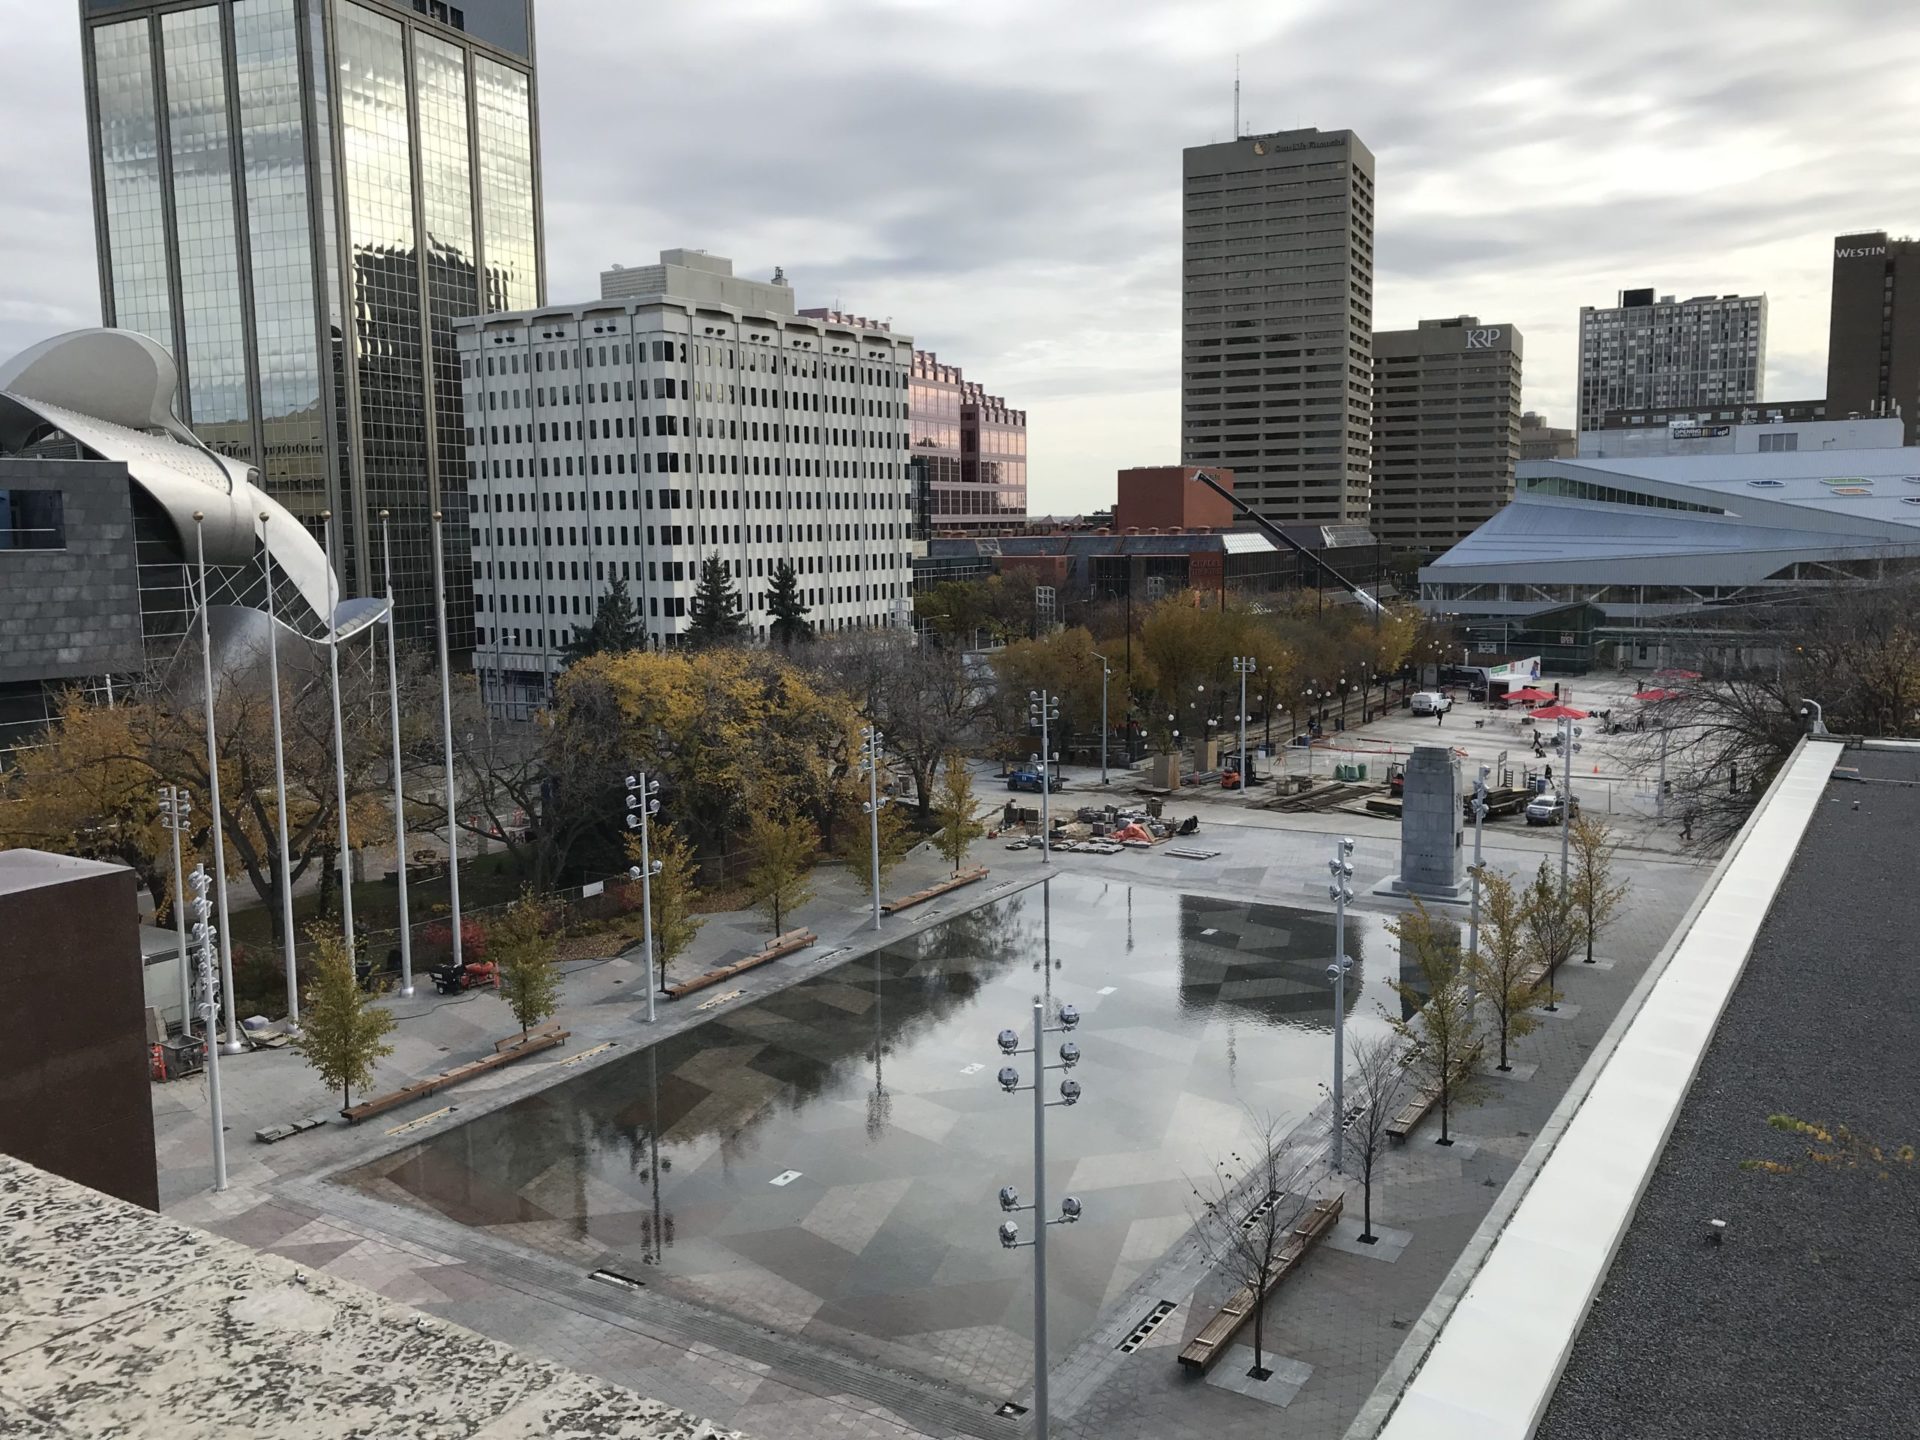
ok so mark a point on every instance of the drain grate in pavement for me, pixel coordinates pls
(614, 1277)
(1146, 1327)
(1011, 1408)
(1259, 1212)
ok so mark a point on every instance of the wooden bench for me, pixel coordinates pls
(533, 1045)
(780, 945)
(1424, 1099)
(920, 897)
(1215, 1335)
(514, 1042)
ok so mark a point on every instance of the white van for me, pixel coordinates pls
(1430, 702)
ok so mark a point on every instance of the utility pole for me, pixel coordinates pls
(871, 734)
(1106, 673)
(280, 781)
(642, 804)
(1566, 796)
(1479, 822)
(1070, 1208)
(339, 747)
(1243, 666)
(1043, 708)
(1340, 867)
(446, 730)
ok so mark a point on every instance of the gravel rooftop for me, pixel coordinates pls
(1805, 1321)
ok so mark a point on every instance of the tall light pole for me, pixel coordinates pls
(446, 731)
(1070, 1208)
(1660, 791)
(1340, 892)
(203, 941)
(280, 782)
(871, 764)
(399, 802)
(233, 1045)
(1566, 796)
(175, 807)
(1479, 823)
(339, 742)
(643, 803)
(1106, 674)
(1043, 708)
(1243, 666)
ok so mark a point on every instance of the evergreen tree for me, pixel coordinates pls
(715, 607)
(615, 630)
(790, 621)
(342, 1032)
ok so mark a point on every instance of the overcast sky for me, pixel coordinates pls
(1002, 179)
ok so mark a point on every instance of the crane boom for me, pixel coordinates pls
(1368, 601)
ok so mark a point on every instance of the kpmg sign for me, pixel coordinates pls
(1483, 339)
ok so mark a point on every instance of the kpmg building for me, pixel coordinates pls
(297, 198)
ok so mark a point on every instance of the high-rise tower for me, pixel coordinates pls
(1276, 336)
(298, 198)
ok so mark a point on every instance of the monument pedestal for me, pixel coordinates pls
(1433, 857)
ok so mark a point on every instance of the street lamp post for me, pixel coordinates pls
(1340, 867)
(1243, 666)
(1070, 1208)
(175, 807)
(280, 782)
(871, 764)
(232, 1044)
(1566, 796)
(1043, 708)
(1660, 791)
(1479, 822)
(203, 941)
(446, 728)
(399, 802)
(339, 742)
(643, 803)
(1106, 673)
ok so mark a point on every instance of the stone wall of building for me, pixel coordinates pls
(74, 611)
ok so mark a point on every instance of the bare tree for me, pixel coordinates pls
(1373, 1089)
(1249, 1206)
(1553, 925)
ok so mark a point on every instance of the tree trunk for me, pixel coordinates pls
(1589, 959)
(1259, 1318)
(346, 1100)
(1446, 1090)
(1366, 1201)
(1503, 1040)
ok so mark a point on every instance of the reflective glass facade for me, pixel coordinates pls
(299, 198)
(127, 150)
(973, 449)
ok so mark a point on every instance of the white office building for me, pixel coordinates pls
(628, 438)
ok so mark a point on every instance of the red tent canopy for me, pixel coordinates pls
(1677, 674)
(1559, 712)
(1529, 696)
(1657, 694)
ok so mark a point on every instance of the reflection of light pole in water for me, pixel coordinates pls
(653, 1141)
(1340, 893)
(879, 1103)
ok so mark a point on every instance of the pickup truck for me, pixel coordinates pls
(1029, 779)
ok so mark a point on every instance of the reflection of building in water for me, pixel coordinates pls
(1263, 960)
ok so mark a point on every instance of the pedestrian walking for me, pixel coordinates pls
(1439, 717)
(1686, 825)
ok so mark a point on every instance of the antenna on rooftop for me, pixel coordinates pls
(1236, 94)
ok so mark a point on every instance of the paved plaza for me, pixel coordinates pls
(865, 1295)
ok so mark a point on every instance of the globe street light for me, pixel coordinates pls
(1043, 708)
(1243, 666)
(203, 943)
(1106, 674)
(175, 808)
(871, 764)
(642, 805)
(1070, 1207)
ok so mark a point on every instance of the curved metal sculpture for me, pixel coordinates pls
(112, 393)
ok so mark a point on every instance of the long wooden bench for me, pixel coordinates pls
(780, 945)
(538, 1032)
(1424, 1099)
(518, 1050)
(1217, 1333)
(920, 897)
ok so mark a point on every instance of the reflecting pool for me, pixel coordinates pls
(825, 1160)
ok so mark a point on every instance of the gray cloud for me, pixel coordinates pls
(1003, 179)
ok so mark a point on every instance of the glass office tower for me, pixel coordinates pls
(297, 198)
